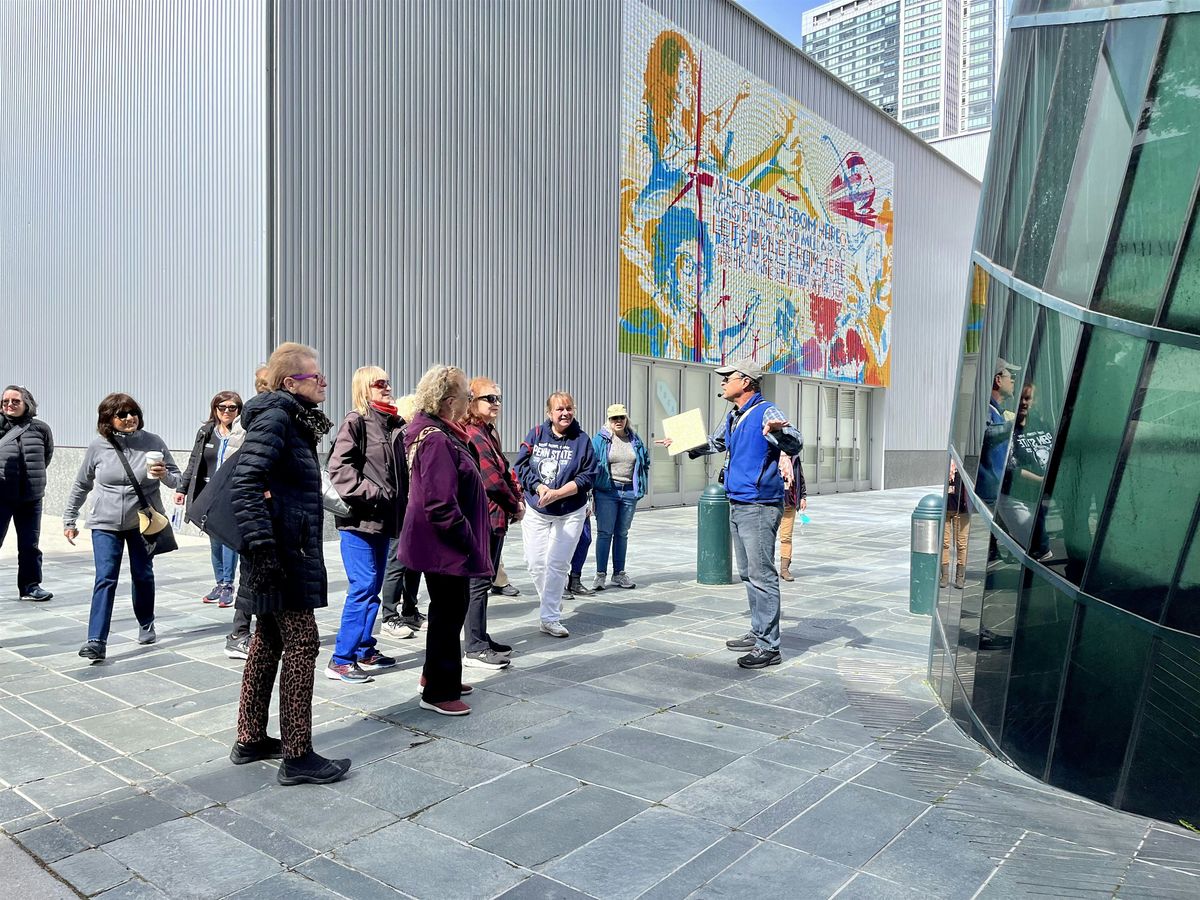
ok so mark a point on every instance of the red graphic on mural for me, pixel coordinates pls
(824, 311)
(852, 191)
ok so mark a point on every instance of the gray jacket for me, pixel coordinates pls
(116, 504)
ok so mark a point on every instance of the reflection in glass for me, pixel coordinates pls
(808, 429)
(1104, 679)
(1076, 490)
(1039, 651)
(845, 436)
(997, 626)
(1183, 304)
(981, 338)
(664, 402)
(965, 638)
(1183, 609)
(1164, 164)
(827, 437)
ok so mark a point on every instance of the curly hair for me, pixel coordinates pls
(108, 409)
(436, 385)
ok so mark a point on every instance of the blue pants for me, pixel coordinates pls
(27, 520)
(754, 528)
(107, 549)
(224, 561)
(614, 515)
(579, 560)
(365, 559)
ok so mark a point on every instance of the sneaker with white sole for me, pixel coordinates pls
(237, 648)
(397, 629)
(347, 672)
(447, 708)
(146, 634)
(555, 629)
(485, 659)
(376, 662)
(598, 584)
(620, 579)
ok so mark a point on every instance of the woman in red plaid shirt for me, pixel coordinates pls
(505, 505)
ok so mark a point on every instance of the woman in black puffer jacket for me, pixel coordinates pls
(26, 446)
(275, 493)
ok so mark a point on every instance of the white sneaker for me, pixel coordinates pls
(555, 629)
(598, 584)
(620, 579)
(397, 629)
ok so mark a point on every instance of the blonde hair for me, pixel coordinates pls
(260, 379)
(558, 395)
(285, 360)
(435, 386)
(406, 406)
(360, 387)
(479, 386)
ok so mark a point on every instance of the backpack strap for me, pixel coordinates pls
(411, 456)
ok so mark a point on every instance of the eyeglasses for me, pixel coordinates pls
(725, 378)
(17, 402)
(320, 376)
(227, 407)
(491, 398)
(126, 414)
(381, 384)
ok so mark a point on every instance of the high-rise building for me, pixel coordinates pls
(982, 42)
(859, 41)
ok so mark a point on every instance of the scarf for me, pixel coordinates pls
(458, 431)
(317, 423)
(386, 408)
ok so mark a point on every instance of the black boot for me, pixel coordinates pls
(312, 768)
(576, 586)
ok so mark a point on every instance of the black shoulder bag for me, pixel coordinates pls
(161, 538)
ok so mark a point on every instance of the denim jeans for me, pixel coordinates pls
(27, 520)
(579, 557)
(365, 559)
(224, 561)
(614, 515)
(754, 528)
(107, 550)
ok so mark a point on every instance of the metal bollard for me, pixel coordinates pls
(714, 546)
(925, 556)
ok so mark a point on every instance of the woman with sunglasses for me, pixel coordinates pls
(26, 447)
(622, 466)
(114, 518)
(218, 439)
(504, 506)
(366, 469)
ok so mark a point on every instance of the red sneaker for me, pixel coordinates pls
(463, 689)
(448, 707)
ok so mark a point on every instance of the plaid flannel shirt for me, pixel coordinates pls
(499, 480)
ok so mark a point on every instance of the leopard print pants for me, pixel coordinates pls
(292, 636)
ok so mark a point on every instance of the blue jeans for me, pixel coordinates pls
(224, 561)
(27, 520)
(365, 559)
(754, 528)
(614, 515)
(579, 557)
(107, 549)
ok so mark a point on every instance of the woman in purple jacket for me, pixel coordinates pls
(446, 533)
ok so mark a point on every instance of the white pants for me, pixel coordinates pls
(549, 545)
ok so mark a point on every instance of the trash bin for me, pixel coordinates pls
(714, 545)
(925, 555)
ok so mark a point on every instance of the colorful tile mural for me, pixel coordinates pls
(749, 226)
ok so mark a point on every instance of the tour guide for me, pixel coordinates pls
(758, 441)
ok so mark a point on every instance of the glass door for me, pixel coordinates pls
(665, 470)
(862, 440)
(696, 393)
(827, 437)
(847, 475)
(808, 431)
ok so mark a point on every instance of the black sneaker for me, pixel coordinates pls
(37, 594)
(267, 748)
(507, 591)
(312, 768)
(497, 647)
(237, 648)
(93, 650)
(485, 659)
(415, 622)
(745, 642)
(758, 658)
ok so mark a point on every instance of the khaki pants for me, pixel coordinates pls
(960, 524)
(785, 532)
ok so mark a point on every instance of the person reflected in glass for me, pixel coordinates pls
(622, 472)
(957, 527)
(26, 448)
(997, 431)
(1018, 507)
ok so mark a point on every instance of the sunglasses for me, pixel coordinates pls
(491, 398)
(126, 414)
(381, 384)
(227, 407)
(320, 376)
(16, 402)
(617, 418)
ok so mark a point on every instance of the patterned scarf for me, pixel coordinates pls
(317, 423)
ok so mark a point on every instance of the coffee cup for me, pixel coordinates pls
(153, 458)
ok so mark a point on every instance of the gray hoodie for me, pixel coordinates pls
(116, 504)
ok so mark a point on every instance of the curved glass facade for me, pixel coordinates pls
(1073, 648)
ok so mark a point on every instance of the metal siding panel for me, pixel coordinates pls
(132, 231)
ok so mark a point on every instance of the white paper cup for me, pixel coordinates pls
(153, 458)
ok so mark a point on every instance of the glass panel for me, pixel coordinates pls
(1183, 611)
(1165, 160)
(997, 625)
(950, 598)
(1164, 774)
(1002, 394)
(826, 437)
(981, 340)
(845, 435)
(1040, 641)
(695, 392)
(1078, 486)
(808, 427)
(1103, 683)
(1038, 84)
(639, 378)
(1073, 86)
(1183, 307)
(1102, 158)
(1137, 556)
(862, 448)
(980, 551)
(1042, 395)
(664, 402)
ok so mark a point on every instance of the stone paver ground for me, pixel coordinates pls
(633, 759)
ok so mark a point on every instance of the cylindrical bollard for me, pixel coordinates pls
(714, 548)
(925, 554)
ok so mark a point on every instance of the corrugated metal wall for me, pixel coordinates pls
(447, 193)
(132, 219)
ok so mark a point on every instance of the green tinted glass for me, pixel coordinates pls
(1183, 610)
(981, 343)
(1183, 306)
(1163, 169)
(1104, 680)
(997, 623)
(1077, 488)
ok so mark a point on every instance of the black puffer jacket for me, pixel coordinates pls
(26, 447)
(279, 459)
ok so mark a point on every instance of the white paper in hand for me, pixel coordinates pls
(686, 431)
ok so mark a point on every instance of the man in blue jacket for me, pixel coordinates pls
(758, 441)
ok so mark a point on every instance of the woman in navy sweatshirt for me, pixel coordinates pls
(556, 467)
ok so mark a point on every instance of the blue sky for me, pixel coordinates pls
(783, 15)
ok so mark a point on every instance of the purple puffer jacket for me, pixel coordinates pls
(446, 529)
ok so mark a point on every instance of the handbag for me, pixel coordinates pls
(331, 500)
(155, 528)
(212, 511)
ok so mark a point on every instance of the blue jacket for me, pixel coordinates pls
(995, 450)
(602, 443)
(752, 471)
(545, 458)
